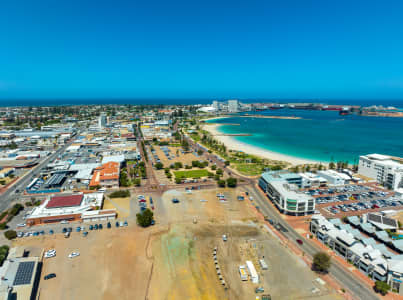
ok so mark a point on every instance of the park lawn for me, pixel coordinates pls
(191, 173)
(250, 169)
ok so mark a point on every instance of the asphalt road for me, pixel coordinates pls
(9, 195)
(344, 277)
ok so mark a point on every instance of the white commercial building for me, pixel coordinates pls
(384, 169)
(282, 190)
(233, 105)
(333, 177)
(312, 180)
(102, 121)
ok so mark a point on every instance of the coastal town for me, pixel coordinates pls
(155, 202)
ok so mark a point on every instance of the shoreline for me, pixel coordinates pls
(233, 144)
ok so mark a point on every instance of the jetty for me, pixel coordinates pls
(270, 117)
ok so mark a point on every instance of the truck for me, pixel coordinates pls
(263, 264)
(252, 271)
(243, 273)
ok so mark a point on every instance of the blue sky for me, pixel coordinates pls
(201, 49)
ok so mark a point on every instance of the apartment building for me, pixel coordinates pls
(370, 257)
(384, 169)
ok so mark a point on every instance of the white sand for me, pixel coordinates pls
(233, 144)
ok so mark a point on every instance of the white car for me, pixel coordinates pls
(64, 222)
(74, 254)
(49, 255)
(21, 225)
(224, 237)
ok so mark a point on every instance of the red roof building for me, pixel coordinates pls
(65, 201)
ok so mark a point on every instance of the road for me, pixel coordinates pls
(343, 276)
(9, 195)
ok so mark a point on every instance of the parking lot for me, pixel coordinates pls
(78, 228)
(353, 199)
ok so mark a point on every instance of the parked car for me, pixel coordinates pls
(100, 226)
(74, 254)
(49, 276)
(300, 241)
(91, 227)
(109, 225)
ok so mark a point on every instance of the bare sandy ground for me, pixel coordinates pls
(173, 259)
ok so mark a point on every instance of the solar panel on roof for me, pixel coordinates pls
(375, 218)
(389, 221)
(24, 273)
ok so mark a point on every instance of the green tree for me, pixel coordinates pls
(232, 182)
(321, 262)
(332, 166)
(178, 165)
(213, 167)
(178, 180)
(199, 152)
(145, 218)
(10, 234)
(221, 183)
(381, 287)
(137, 182)
(227, 162)
(159, 166)
(120, 194)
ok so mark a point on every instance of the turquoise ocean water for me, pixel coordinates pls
(320, 135)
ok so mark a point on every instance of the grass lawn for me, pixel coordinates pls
(249, 169)
(191, 173)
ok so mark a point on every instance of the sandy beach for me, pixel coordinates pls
(233, 144)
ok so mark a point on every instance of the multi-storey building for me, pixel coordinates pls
(383, 169)
(282, 190)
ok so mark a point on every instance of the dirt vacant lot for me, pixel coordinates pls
(173, 260)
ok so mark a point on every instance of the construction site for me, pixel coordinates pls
(194, 251)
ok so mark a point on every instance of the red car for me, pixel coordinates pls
(300, 241)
